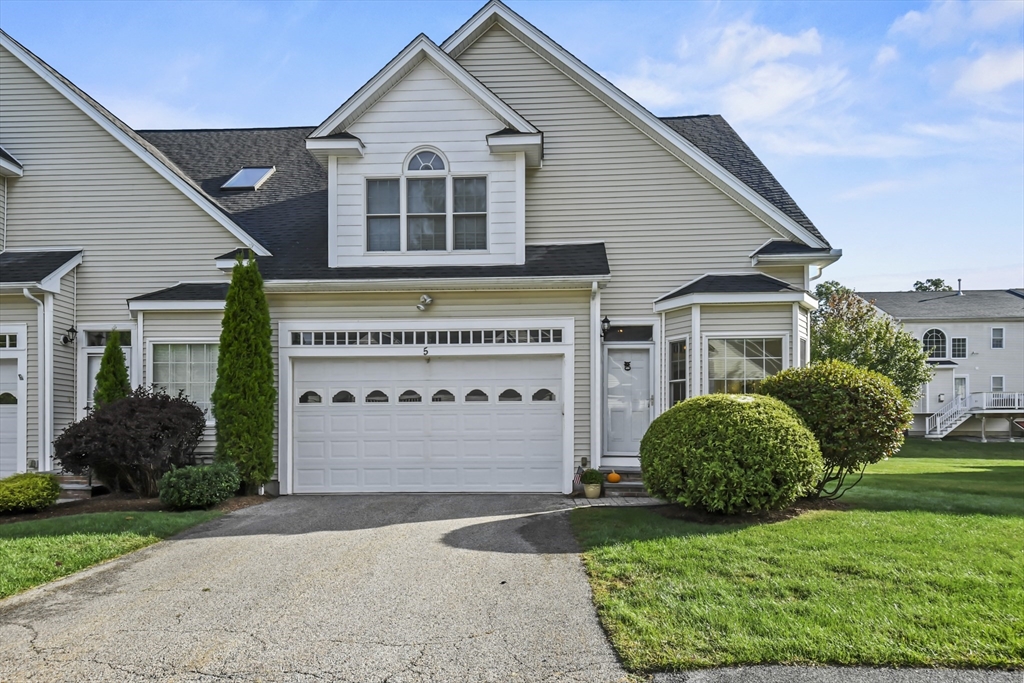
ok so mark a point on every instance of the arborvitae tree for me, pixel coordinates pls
(112, 381)
(244, 397)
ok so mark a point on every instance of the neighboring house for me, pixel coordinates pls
(975, 344)
(488, 265)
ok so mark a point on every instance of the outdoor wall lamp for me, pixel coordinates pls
(69, 336)
(606, 325)
(425, 301)
(942, 398)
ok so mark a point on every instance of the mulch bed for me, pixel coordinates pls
(121, 502)
(673, 511)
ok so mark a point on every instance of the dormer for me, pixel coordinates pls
(426, 166)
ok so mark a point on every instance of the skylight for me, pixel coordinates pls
(249, 178)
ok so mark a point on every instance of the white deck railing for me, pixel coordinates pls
(997, 401)
(950, 416)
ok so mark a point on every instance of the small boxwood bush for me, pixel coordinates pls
(199, 486)
(28, 491)
(730, 454)
(857, 415)
(591, 477)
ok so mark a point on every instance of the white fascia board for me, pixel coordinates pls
(228, 264)
(10, 170)
(531, 144)
(146, 305)
(51, 283)
(625, 106)
(421, 48)
(804, 299)
(33, 63)
(797, 259)
(323, 149)
(395, 285)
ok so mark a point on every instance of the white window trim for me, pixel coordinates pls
(210, 422)
(1002, 382)
(948, 343)
(668, 368)
(20, 354)
(967, 348)
(135, 376)
(992, 339)
(403, 214)
(287, 354)
(786, 349)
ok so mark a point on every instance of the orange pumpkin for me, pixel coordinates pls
(614, 477)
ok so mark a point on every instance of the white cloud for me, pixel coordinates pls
(886, 55)
(953, 20)
(991, 72)
(743, 45)
(767, 91)
(873, 189)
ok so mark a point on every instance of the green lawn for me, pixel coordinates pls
(926, 569)
(38, 551)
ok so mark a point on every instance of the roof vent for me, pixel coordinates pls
(249, 178)
(959, 291)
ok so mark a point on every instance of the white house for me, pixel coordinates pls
(975, 344)
(487, 265)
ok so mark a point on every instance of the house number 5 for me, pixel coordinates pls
(627, 365)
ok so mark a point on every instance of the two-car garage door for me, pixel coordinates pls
(405, 424)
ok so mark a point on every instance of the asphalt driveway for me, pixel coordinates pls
(342, 588)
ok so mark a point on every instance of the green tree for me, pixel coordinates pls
(112, 381)
(244, 396)
(847, 328)
(932, 284)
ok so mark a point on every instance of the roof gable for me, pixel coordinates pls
(496, 13)
(420, 49)
(149, 154)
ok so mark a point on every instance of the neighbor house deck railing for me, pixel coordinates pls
(997, 401)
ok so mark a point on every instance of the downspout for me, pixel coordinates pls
(596, 392)
(40, 372)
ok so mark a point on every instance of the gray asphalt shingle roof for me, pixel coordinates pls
(975, 303)
(7, 155)
(713, 135)
(730, 284)
(31, 266)
(188, 291)
(785, 247)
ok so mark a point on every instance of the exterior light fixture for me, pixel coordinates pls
(942, 398)
(70, 335)
(425, 301)
(606, 325)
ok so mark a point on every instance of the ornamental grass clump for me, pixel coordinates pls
(858, 416)
(730, 454)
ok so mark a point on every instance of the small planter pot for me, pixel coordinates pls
(592, 490)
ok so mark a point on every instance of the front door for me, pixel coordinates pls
(960, 387)
(628, 399)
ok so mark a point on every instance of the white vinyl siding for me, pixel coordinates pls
(425, 108)
(604, 180)
(85, 189)
(65, 357)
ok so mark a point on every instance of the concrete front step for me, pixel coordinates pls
(73, 486)
(625, 489)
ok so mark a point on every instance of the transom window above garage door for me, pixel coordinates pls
(428, 337)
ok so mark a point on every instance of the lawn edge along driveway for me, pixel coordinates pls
(36, 552)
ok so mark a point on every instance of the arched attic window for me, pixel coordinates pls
(426, 161)
(934, 342)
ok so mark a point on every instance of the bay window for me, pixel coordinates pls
(737, 366)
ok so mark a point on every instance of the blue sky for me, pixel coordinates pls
(897, 126)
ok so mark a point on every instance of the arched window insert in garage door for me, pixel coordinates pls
(429, 337)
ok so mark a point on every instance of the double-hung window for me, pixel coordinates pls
(189, 368)
(427, 209)
(677, 372)
(958, 346)
(997, 337)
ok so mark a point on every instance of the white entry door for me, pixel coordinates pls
(449, 425)
(960, 387)
(628, 399)
(9, 401)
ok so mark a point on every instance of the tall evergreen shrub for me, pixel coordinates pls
(112, 381)
(244, 397)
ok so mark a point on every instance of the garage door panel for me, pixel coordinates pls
(449, 445)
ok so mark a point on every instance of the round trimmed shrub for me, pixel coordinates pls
(730, 453)
(28, 491)
(857, 415)
(199, 486)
